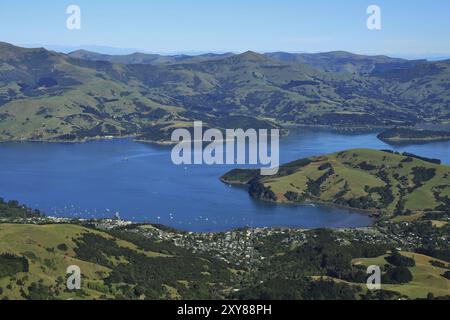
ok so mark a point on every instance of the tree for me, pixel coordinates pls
(398, 275)
(398, 260)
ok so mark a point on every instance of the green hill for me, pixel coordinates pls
(139, 261)
(45, 95)
(131, 263)
(381, 182)
(111, 267)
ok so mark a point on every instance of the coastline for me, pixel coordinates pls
(76, 141)
(371, 213)
(285, 133)
(285, 127)
(415, 140)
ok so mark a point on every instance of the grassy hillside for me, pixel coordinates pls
(381, 182)
(50, 96)
(111, 267)
(47, 263)
(154, 262)
(426, 273)
(338, 261)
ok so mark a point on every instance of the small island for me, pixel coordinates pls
(401, 135)
(382, 183)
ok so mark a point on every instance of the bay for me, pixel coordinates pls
(140, 182)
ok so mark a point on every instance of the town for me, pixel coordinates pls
(245, 247)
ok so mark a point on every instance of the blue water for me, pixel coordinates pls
(94, 180)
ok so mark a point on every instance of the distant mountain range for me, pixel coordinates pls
(144, 58)
(337, 61)
(46, 95)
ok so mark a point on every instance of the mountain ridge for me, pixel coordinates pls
(48, 96)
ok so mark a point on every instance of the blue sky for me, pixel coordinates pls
(171, 26)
